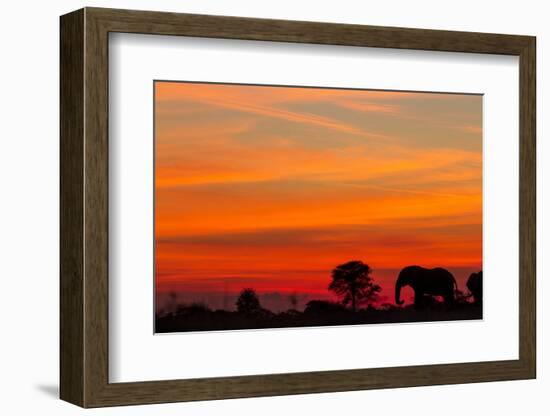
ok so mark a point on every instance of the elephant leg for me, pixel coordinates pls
(477, 298)
(449, 299)
(418, 300)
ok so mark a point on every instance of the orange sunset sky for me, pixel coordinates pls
(272, 187)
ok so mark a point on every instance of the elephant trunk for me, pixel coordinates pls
(398, 300)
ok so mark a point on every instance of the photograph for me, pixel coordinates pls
(274, 204)
(294, 206)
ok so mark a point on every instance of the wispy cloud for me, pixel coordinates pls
(265, 105)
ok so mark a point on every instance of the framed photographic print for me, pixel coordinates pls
(242, 197)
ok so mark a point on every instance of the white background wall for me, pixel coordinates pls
(29, 209)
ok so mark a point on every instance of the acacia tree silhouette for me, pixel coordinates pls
(352, 282)
(248, 302)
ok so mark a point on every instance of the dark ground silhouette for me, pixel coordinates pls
(436, 299)
(317, 313)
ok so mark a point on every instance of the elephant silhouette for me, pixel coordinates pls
(435, 282)
(475, 286)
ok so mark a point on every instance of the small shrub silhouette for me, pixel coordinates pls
(248, 302)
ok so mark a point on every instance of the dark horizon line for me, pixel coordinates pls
(312, 87)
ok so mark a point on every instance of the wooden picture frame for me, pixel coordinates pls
(84, 207)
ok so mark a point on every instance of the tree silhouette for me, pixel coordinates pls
(248, 302)
(351, 281)
(293, 299)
